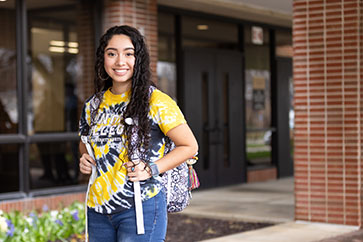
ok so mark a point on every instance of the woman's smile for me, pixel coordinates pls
(121, 72)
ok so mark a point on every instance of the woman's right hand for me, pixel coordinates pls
(85, 164)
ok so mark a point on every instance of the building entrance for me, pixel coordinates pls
(213, 104)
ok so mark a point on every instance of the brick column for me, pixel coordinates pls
(327, 37)
(141, 14)
(86, 56)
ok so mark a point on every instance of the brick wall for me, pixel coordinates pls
(141, 14)
(260, 175)
(86, 55)
(327, 38)
(50, 202)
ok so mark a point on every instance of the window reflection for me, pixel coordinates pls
(8, 84)
(53, 52)
(258, 99)
(166, 67)
(54, 164)
(206, 33)
(9, 168)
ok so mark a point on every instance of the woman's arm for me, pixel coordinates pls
(186, 147)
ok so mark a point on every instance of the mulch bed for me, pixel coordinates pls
(183, 228)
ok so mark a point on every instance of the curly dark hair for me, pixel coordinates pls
(138, 107)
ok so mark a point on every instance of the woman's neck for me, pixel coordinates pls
(119, 89)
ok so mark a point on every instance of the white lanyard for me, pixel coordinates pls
(91, 180)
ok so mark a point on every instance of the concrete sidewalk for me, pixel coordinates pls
(271, 201)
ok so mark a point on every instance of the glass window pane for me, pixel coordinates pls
(258, 147)
(206, 33)
(166, 67)
(9, 168)
(257, 96)
(53, 48)
(8, 84)
(54, 164)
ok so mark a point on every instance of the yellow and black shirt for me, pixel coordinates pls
(112, 192)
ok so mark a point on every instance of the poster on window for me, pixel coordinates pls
(258, 99)
(258, 93)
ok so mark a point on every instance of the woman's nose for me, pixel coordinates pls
(120, 60)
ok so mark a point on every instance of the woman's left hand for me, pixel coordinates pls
(137, 171)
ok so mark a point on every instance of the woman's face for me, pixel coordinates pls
(119, 60)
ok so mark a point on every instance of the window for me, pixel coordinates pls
(9, 116)
(53, 105)
(40, 94)
(166, 67)
(257, 97)
(207, 33)
(54, 164)
(53, 50)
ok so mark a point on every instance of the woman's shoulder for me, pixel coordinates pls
(94, 100)
(89, 99)
(158, 96)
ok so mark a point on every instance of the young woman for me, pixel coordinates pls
(128, 122)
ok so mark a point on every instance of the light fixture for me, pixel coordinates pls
(3, 0)
(57, 49)
(73, 50)
(60, 46)
(73, 44)
(202, 27)
(57, 43)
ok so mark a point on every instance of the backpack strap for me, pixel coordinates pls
(90, 182)
(138, 208)
(137, 191)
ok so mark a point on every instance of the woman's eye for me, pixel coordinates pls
(111, 54)
(130, 54)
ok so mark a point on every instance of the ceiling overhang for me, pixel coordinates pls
(239, 9)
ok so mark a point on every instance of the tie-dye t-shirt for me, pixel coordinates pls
(112, 192)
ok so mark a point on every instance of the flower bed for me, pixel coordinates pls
(45, 226)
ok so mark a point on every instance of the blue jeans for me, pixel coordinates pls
(121, 227)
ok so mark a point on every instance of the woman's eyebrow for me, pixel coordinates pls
(129, 48)
(115, 49)
(110, 48)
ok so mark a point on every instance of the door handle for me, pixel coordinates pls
(214, 134)
(210, 129)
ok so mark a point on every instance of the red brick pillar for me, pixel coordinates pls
(327, 37)
(141, 14)
(85, 57)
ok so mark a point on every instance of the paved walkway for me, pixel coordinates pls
(271, 201)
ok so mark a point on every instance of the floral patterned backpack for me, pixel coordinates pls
(179, 182)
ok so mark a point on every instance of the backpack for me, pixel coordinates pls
(178, 182)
